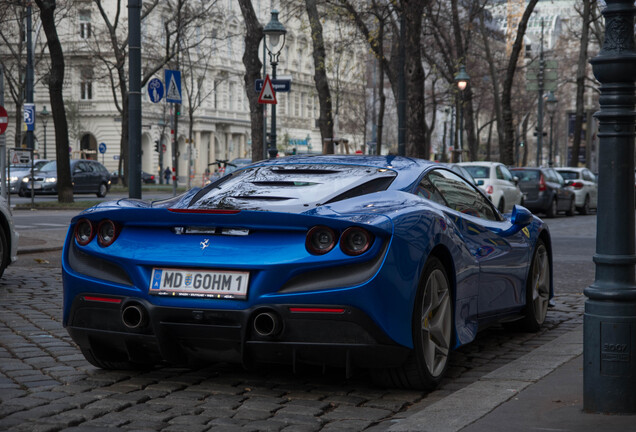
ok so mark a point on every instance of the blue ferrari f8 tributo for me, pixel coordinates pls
(384, 262)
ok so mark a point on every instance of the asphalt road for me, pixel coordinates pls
(45, 383)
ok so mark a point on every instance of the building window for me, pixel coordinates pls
(86, 85)
(85, 24)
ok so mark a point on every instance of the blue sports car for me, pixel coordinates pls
(386, 263)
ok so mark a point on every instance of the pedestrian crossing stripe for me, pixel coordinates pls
(267, 95)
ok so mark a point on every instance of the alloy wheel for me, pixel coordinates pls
(436, 322)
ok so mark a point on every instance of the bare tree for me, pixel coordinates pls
(581, 74)
(506, 151)
(56, 82)
(252, 63)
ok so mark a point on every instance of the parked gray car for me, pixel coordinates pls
(88, 176)
(545, 191)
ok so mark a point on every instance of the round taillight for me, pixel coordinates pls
(320, 240)
(355, 241)
(106, 232)
(84, 232)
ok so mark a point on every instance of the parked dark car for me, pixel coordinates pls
(88, 176)
(146, 178)
(545, 191)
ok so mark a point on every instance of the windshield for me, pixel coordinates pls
(50, 166)
(478, 171)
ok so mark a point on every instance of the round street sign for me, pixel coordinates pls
(155, 90)
(102, 148)
(4, 119)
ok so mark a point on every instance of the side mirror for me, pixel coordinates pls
(480, 182)
(520, 216)
(516, 180)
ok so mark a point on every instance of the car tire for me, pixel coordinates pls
(537, 290)
(501, 206)
(432, 330)
(102, 191)
(4, 252)
(585, 210)
(552, 208)
(571, 209)
(21, 193)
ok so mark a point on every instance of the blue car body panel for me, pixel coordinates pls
(489, 260)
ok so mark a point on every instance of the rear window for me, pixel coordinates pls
(478, 171)
(569, 175)
(527, 175)
(291, 187)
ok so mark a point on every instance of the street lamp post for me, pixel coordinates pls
(550, 107)
(44, 114)
(274, 42)
(609, 332)
(462, 79)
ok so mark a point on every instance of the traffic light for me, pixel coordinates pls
(157, 146)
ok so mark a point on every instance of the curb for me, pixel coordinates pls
(473, 402)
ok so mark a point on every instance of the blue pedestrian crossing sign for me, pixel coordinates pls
(155, 90)
(173, 86)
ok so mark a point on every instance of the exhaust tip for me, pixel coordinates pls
(134, 316)
(267, 324)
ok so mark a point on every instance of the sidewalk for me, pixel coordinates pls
(541, 391)
(40, 241)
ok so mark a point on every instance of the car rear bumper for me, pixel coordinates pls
(537, 203)
(132, 329)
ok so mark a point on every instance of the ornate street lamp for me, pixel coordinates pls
(44, 115)
(274, 42)
(462, 79)
(551, 106)
(609, 324)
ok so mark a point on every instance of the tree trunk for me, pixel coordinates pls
(56, 81)
(325, 122)
(381, 93)
(253, 65)
(495, 85)
(580, 85)
(507, 150)
(414, 74)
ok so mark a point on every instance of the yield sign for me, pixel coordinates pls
(267, 95)
(4, 119)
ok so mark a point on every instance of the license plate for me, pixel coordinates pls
(216, 284)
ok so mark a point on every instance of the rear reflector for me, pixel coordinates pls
(316, 310)
(102, 299)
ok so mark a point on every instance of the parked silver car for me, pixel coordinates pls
(17, 172)
(498, 183)
(584, 185)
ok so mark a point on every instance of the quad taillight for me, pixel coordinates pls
(106, 232)
(353, 240)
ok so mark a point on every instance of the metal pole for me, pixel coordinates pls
(134, 99)
(272, 144)
(550, 161)
(402, 89)
(540, 103)
(609, 338)
(461, 127)
(3, 146)
(264, 105)
(29, 73)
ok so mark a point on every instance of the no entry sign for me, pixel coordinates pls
(4, 119)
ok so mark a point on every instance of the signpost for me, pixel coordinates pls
(102, 150)
(155, 90)
(173, 85)
(4, 119)
(267, 95)
(279, 85)
(29, 116)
